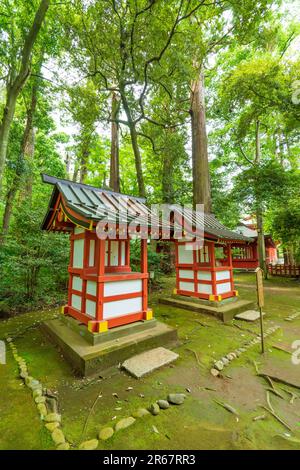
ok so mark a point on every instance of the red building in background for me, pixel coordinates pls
(246, 256)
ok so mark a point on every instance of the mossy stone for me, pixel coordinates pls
(63, 446)
(52, 426)
(140, 412)
(124, 423)
(106, 433)
(89, 445)
(51, 417)
(154, 409)
(58, 436)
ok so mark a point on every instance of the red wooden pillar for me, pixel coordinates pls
(65, 309)
(144, 270)
(213, 267)
(195, 266)
(176, 265)
(99, 325)
(85, 265)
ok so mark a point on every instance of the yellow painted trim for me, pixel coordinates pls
(149, 314)
(175, 291)
(218, 298)
(91, 226)
(90, 326)
(102, 326)
(236, 293)
(211, 298)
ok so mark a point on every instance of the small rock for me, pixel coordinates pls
(106, 433)
(63, 446)
(37, 393)
(89, 445)
(42, 409)
(124, 423)
(58, 436)
(51, 417)
(176, 398)
(154, 409)
(219, 365)
(23, 375)
(28, 380)
(40, 399)
(52, 426)
(9, 339)
(214, 372)
(225, 361)
(140, 413)
(163, 404)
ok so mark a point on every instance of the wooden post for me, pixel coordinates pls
(144, 270)
(260, 302)
(100, 284)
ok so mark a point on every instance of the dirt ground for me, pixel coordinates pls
(201, 422)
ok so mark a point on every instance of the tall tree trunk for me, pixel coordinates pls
(29, 154)
(259, 210)
(135, 147)
(84, 162)
(17, 82)
(68, 164)
(201, 177)
(114, 177)
(26, 151)
(167, 174)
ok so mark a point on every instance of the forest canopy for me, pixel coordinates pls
(182, 101)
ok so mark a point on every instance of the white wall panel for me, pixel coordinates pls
(204, 275)
(187, 286)
(91, 288)
(77, 283)
(76, 302)
(90, 308)
(186, 273)
(123, 258)
(185, 256)
(223, 288)
(221, 275)
(122, 307)
(92, 253)
(122, 287)
(114, 253)
(205, 288)
(78, 253)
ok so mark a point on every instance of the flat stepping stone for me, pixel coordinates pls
(148, 361)
(248, 315)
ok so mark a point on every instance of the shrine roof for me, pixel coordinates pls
(96, 204)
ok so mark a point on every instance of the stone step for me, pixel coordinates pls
(87, 359)
(148, 361)
(225, 312)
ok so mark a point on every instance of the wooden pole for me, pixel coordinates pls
(260, 302)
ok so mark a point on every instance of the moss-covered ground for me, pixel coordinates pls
(201, 422)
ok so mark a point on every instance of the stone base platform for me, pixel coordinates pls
(115, 346)
(224, 310)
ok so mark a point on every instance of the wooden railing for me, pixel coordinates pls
(285, 270)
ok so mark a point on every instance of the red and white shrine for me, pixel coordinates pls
(245, 257)
(104, 292)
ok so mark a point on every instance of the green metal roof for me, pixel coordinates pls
(97, 204)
